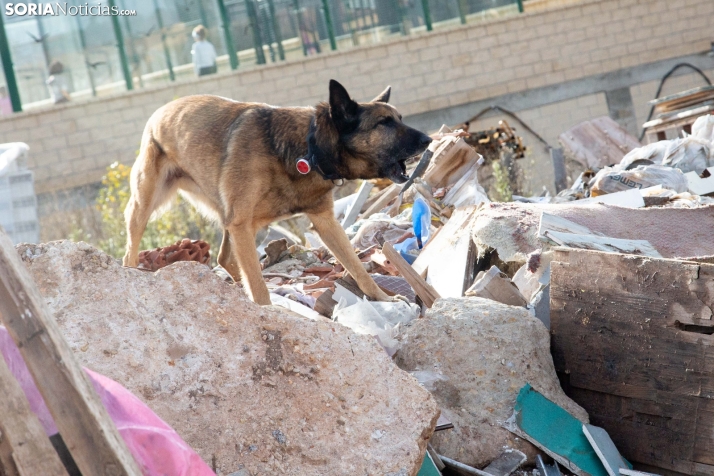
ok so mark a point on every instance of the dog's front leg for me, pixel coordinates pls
(242, 239)
(334, 237)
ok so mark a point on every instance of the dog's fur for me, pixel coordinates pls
(236, 162)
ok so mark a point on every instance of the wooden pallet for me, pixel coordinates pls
(632, 342)
(82, 421)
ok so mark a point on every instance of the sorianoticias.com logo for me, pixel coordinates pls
(58, 8)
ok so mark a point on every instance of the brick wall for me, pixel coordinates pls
(72, 144)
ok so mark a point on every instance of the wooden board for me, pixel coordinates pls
(603, 243)
(633, 340)
(459, 225)
(451, 160)
(422, 289)
(597, 143)
(354, 208)
(25, 449)
(385, 196)
(550, 222)
(79, 415)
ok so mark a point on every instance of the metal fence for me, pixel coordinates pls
(107, 54)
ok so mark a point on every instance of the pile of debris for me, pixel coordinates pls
(521, 323)
(667, 173)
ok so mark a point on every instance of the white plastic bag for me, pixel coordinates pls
(610, 179)
(378, 319)
(703, 128)
(654, 152)
(689, 154)
(13, 157)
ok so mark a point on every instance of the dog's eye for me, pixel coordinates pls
(386, 121)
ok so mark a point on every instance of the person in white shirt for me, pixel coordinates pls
(203, 52)
(57, 83)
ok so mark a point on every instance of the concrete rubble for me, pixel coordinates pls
(510, 326)
(478, 354)
(247, 387)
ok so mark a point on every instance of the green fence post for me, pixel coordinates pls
(255, 26)
(300, 23)
(232, 55)
(427, 14)
(170, 66)
(8, 69)
(120, 47)
(83, 44)
(328, 23)
(276, 29)
(202, 13)
(462, 10)
(520, 5)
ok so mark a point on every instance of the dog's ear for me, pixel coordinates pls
(342, 108)
(383, 96)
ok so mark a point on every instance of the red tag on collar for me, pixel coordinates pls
(303, 166)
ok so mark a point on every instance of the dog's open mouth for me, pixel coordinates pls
(397, 172)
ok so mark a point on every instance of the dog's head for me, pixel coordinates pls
(366, 140)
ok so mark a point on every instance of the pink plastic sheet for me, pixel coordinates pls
(156, 447)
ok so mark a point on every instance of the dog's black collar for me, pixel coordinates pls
(317, 158)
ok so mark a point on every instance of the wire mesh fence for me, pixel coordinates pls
(104, 55)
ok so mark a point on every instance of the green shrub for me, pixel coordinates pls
(501, 190)
(180, 221)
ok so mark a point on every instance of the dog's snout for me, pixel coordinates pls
(425, 140)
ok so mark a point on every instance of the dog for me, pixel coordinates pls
(247, 165)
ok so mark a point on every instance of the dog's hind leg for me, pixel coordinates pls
(226, 258)
(334, 237)
(242, 239)
(146, 179)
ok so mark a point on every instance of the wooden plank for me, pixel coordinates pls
(25, 449)
(386, 196)
(597, 143)
(355, 207)
(325, 304)
(449, 274)
(459, 225)
(422, 289)
(603, 243)
(635, 338)
(82, 420)
(450, 161)
(496, 286)
(550, 222)
(632, 472)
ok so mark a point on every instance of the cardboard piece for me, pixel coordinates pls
(699, 185)
(627, 199)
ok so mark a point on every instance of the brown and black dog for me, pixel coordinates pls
(237, 162)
